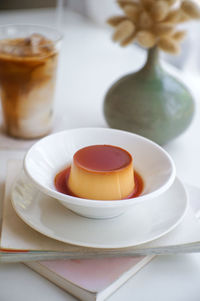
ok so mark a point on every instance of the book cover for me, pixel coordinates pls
(90, 279)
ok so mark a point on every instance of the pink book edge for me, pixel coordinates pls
(90, 278)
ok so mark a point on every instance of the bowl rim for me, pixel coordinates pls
(100, 203)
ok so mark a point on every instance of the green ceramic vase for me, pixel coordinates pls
(150, 102)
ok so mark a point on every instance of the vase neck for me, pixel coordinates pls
(152, 63)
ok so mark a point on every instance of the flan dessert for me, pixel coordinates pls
(101, 172)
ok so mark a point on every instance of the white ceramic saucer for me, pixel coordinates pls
(142, 223)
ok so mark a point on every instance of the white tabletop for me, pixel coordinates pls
(89, 63)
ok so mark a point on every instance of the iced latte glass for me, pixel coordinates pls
(28, 65)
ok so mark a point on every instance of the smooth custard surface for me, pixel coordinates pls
(102, 158)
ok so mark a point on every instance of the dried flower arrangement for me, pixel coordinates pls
(153, 22)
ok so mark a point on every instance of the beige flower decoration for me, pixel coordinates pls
(153, 22)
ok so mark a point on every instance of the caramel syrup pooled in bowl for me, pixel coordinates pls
(100, 172)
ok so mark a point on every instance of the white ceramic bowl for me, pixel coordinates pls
(53, 153)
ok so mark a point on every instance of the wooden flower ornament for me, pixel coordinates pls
(153, 22)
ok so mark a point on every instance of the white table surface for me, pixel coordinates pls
(89, 63)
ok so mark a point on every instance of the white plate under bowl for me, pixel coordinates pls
(53, 153)
(142, 223)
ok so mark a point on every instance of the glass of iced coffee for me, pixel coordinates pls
(28, 65)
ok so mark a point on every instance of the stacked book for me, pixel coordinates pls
(89, 273)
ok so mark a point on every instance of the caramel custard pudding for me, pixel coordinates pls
(100, 172)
